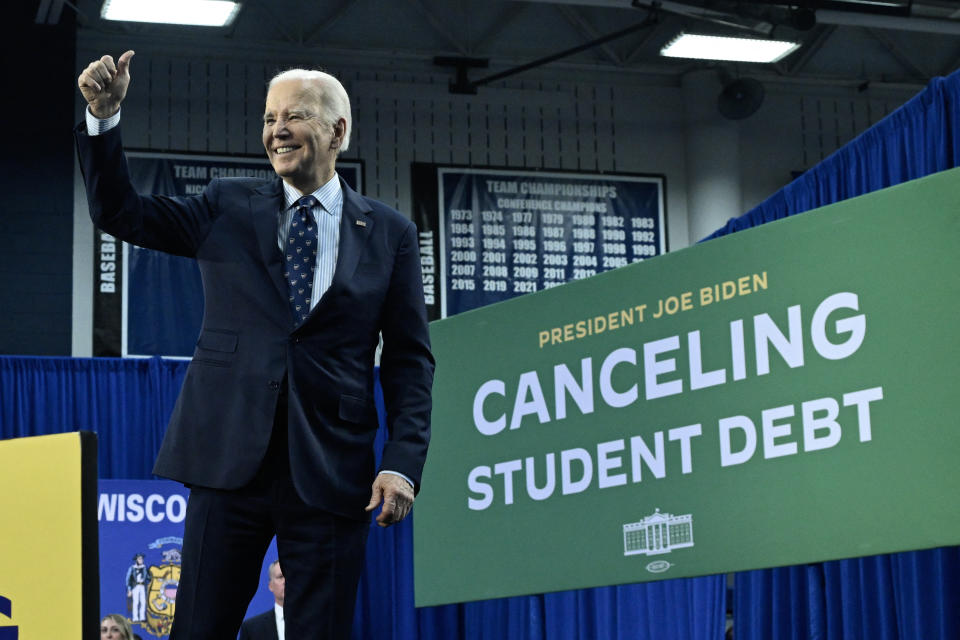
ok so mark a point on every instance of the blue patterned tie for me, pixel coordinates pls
(301, 257)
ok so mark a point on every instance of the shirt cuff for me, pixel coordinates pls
(96, 126)
(397, 473)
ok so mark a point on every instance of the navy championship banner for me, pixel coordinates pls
(488, 235)
(149, 303)
(141, 537)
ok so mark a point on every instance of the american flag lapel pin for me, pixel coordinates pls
(361, 223)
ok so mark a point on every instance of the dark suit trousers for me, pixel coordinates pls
(226, 534)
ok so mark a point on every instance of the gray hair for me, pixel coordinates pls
(329, 94)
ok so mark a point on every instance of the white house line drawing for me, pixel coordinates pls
(658, 533)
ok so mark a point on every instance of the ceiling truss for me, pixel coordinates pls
(514, 33)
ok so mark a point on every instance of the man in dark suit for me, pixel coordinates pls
(269, 625)
(274, 426)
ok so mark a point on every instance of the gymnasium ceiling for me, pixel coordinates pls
(851, 43)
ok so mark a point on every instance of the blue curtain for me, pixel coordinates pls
(127, 403)
(906, 596)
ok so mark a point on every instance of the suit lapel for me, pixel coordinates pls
(273, 626)
(356, 224)
(265, 206)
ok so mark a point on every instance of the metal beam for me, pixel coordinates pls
(750, 24)
(438, 26)
(952, 66)
(894, 23)
(514, 9)
(331, 19)
(81, 16)
(55, 12)
(565, 53)
(824, 16)
(810, 48)
(276, 22)
(42, 11)
(644, 38)
(150, 43)
(900, 55)
(573, 17)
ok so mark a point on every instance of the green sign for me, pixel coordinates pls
(780, 396)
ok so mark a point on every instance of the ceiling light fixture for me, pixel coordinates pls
(688, 45)
(204, 13)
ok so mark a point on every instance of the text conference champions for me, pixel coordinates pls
(818, 417)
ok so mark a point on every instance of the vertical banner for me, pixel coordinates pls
(150, 303)
(778, 396)
(488, 235)
(107, 295)
(141, 539)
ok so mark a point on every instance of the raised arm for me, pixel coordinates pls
(175, 224)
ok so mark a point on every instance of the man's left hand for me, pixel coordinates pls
(395, 493)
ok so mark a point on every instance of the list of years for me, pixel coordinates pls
(514, 252)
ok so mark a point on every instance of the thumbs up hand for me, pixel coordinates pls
(104, 84)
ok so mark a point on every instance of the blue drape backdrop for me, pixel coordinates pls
(907, 596)
(127, 403)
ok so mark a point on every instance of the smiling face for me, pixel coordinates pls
(300, 142)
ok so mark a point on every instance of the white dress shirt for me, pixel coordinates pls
(278, 616)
